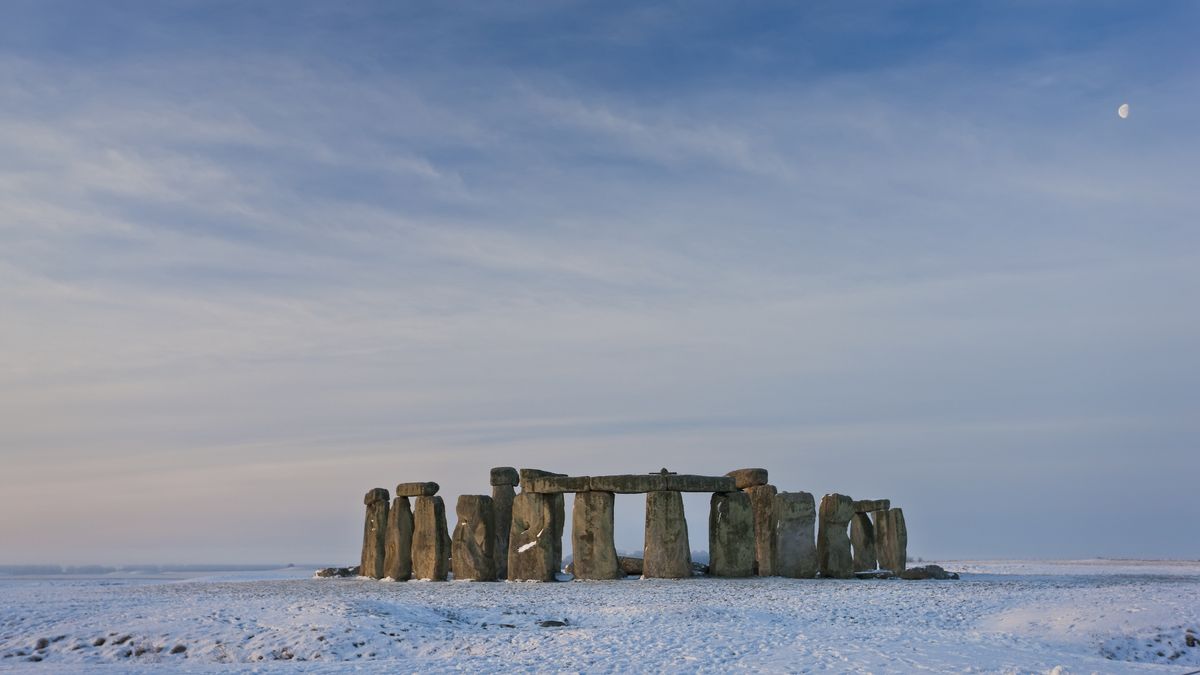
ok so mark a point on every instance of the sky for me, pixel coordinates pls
(258, 258)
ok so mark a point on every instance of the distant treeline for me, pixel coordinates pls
(41, 570)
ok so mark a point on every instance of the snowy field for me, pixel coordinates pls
(1073, 616)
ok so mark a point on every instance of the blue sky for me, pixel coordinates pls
(256, 258)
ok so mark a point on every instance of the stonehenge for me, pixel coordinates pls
(753, 529)
(374, 533)
(472, 556)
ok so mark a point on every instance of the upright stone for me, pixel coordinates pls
(862, 540)
(374, 533)
(559, 509)
(397, 559)
(668, 554)
(762, 498)
(502, 503)
(794, 516)
(730, 535)
(595, 549)
(891, 540)
(430, 548)
(833, 543)
(505, 475)
(530, 545)
(473, 557)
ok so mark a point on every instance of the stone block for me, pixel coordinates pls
(397, 559)
(762, 499)
(731, 535)
(793, 516)
(628, 484)
(594, 547)
(862, 542)
(374, 533)
(667, 552)
(502, 501)
(747, 478)
(689, 483)
(556, 484)
(472, 555)
(891, 540)
(426, 489)
(869, 505)
(526, 474)
(505, 475)
(833, 542)
(530, 545)
(431, 543)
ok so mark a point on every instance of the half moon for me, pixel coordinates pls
(1123, 111)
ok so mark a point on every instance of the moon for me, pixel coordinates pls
(1123, 111)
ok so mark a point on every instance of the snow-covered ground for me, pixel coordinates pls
(1068, 616)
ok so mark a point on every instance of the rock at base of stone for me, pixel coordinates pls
(374, 533)
(595, 550)
(730, 535)
(891, 540)
(833, 542)
(472, 557)
(794, 516)
(927, 572)
(431, 546)
(748, 478)
(862, 542)
(631, 566)
(338, 572)
(502, 499)
(762, 500)
(667, 552)
(397, 559)
(505, 475)
(875, 574)
(530, 549)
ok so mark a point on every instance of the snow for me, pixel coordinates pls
(526, 547)
(1020, 616)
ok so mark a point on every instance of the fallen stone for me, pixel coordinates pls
(502, 498)
(833, 543)
(927, 572)
(747, 478)
(700, 569)
(631, 566)
(431, 546)
(551, 623)
(868, 505)
(862, 542)
(530, 550)
(327, 572)
(594, 547)
(875, 574)
(505, 475)
(426, 489)
(628, 484)
(397, 559)
(668, 554)
(374, 533)
(731, 535)
(472, 557)
(891, 540)
(688, 483)
(794, 516)
(557, 484)
(762, 498)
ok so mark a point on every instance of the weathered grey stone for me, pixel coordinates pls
(631, 566)
(397, 559)
(374, 533)
(505, 475)
(689, 483)
(502, 498)
(891, 540)
(526, 474)
(668, 554)
(430, 549)
(762, 498)
(868, 505)
(628, 484)
(927, 572)
(558, 507)
(730, 535)
(426, 489)
(472, 545)
(862, 541)
(530, 545)
(747, 478)
(793, 515)
(833, 543)
(555, 484)
(594, 548)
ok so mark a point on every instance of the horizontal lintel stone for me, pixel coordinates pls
(868, 505)
(552, 484)
(426, 489)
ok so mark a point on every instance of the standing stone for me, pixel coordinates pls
(794, 515)
(592, 536)
(502, 501)
(530, 545)
(668, 554)
(891, 540)
(862, 540)
(730, 535)
(374, 533)
(430, 548)
(833, 544)
(473, 557)
(558, 505)
(397, 559)
(762, 498)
